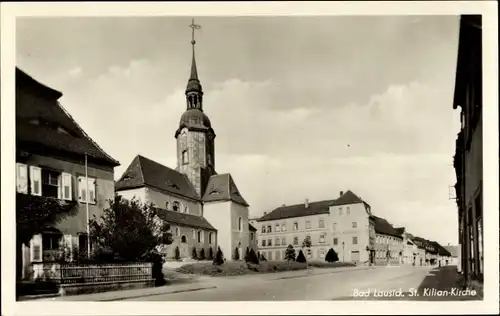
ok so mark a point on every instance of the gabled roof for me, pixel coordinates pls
(184, 219)
(221, 187)
(41, 122)
(298, 210)
(251, 228)
(145, 172)
(347, 198)
(382, 226)
(453, 250)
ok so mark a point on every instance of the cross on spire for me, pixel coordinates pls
(193, 27)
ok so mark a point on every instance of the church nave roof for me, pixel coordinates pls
(184, 219)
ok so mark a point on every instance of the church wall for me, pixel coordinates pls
(239, 235)
(191, 234)
(195, 143)
(161, 198)
(219, 215)
(139, 194)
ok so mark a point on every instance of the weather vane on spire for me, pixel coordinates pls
(194, 27)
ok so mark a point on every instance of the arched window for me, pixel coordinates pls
(183, 239)
(240, 224)
(185, 158)
(166, 205)
(176, 206)
(210, 237)
(177, 232)
(200, 236)
(186, 209)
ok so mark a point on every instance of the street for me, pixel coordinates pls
(415, 283)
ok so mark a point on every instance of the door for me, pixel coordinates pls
(355, 256)
(184, 247)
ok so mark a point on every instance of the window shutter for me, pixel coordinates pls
(59, 187)
(22, 178)
(36, 248)
(35, 179)
(66, 186)
(92, 197)
(68, 246)
(82, 190)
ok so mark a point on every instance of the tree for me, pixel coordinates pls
(301, 258)
(202, 254)
(307, 245)
(290, 253)
(133, 232)
(252, 257)
(219, 257)
(236, 255)
(210, 253)
(331, 256)
(177, 253)
(129, 229)
(194, 255)
(247, 253)
(262, 257)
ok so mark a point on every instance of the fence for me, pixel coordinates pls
(92, 273)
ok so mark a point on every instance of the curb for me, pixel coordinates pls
(156, 294)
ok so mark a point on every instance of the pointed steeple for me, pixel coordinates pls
(194, 90)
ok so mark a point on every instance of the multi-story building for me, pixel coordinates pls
(410, 250)
(388, 242)
(468, 159)
(342, 224)
(57, 160)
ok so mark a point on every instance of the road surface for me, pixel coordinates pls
(381, 283)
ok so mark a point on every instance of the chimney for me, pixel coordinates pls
(306, 203)
(341, 193)
(283, 205)
(265, 213)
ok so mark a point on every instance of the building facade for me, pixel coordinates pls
(342, 224)
(57, 161)
(469, 148)
(205, 209)
(388, 242)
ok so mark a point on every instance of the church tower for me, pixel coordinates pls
(195, 136)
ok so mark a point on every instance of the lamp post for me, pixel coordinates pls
(343, 253)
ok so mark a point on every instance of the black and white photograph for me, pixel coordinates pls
(251, 158)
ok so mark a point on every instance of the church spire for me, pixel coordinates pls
(194, 92)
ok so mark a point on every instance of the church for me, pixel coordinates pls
(205, 209)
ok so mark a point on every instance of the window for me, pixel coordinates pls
(183, 239)
(277, 241)
(295, 226)
(185, 158)
(334, 226)
(177, 231)
(66, 186)
(263, 242)
(340, 211)
(200, 236)
(321, 223)
(83, 189)
(51, 241)
(263, 229)
(176, 206)
(354, 225)
(283, 241)
(269, 242)
(251, 236)
(335, 241)
(295, 240)
(277, 255)
(277, 228)
(308, 224)
(35, 180)
(283, 227)
(354, 240)
(240, 224)
(50, 183)
(186, 209)
(210, 238)
(321, 253)
(269, 228)
(21, 178)
(322, 238)
(348, 210)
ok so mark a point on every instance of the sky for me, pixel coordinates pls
(303, 107)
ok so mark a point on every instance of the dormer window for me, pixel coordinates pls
(185, 158)
(176, 206)
(172, 185)
(214, 192)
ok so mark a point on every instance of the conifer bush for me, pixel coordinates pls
(301, 258)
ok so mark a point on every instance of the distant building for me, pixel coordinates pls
(342, 224)
(388, 242)
(51, 154)
(454, 254)
(468, 159)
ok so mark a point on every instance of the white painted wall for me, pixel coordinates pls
(219, 215)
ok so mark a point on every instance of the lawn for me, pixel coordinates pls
(233, 268)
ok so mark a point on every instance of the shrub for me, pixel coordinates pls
(202, 254)
(177, 253)
(194, 254)
(247, 253)
(236, 255)
(210, 254)
(219, 257)
(262, 257)
(324, 264)
(331, 256)
(301, 257)
(157, 259)
(290, 253)
(252, 257)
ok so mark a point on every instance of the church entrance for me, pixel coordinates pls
(184, 247)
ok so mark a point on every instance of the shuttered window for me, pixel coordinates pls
(21, 178)
(36, 180)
